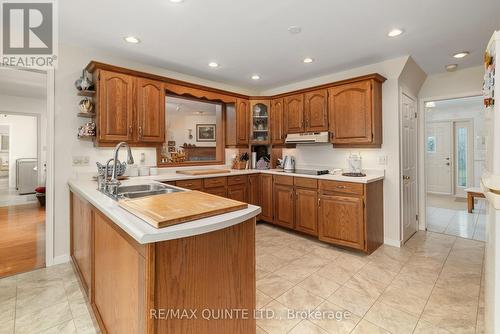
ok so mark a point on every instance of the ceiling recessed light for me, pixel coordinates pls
(430, 104)
(451, 67)
(294, 29)
(213, 64)
(255, 77)
(176, 1)
(132, 39)
(395, 32)
(308, 60)
(462, 54)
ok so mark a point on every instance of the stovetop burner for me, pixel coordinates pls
(354, 174)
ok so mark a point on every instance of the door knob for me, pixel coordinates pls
(406, 177)
(447, 164)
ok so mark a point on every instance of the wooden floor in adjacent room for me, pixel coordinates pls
(22, 238)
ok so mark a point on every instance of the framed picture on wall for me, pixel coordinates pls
(205, 132)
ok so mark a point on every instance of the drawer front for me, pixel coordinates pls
(284, 180)
(342, 187)
(237, 179)
(219, 191)
(214, 182)
(305, 182)
(190, 184)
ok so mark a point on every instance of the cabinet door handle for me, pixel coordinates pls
(130, 130)
(140, 132)
(319, 201)
(341, 187)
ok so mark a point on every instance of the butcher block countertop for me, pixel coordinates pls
(145, 233)
(180, 207)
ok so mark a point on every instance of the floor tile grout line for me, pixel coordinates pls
(479, 296)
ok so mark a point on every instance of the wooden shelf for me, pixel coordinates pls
(86, 93)
(86, 114)
(86, 137)
(260, 130)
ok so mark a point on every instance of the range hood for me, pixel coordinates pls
(307, 138)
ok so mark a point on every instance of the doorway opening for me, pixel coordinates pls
(23, 157)
(454, 161)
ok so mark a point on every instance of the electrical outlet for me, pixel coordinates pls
(143, 157)
(382, 160)
(77, 161)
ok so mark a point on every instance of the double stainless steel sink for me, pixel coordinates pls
(143, 190)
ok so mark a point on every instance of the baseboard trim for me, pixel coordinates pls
(60, 260)
(392, 242)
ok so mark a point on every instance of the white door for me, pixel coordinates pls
(464, 156)
(439, 158)
(409, 166)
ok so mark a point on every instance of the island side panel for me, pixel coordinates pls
(214, 271)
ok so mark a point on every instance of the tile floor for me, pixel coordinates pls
(431, 285)
(458, 222)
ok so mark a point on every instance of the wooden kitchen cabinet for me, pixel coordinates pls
(115, 109)
(306, 210)
(294, 113)
(266, 200)
(150, 111)
(238, 123)
(341, 220)
(278, 134)
(82, 219)
(284, 205)
(238, 192)
(316, 111)
(218, 191)
(254, 191)
(355, 113)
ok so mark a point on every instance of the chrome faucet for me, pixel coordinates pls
(111, 186)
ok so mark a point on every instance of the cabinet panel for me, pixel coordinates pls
(118, 267)
(350, 113)
(219, 191)
(294, 113)
(341, 220)
(277, 122)
(214, 182)
(116, 106)
(194, 184)
(266, 182)
(150, 111)
(237, 179)
(316, 111)
(242, 121)
(254, 191)
(306, 210)
(284, 205)
(82, 219)
(237, 192)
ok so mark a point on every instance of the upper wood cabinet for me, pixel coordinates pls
(294, 113)
(341, 220)
(277, 122)
(115, 107)
(150, 111)
(355, 114)
(237, 123)
(316, 111)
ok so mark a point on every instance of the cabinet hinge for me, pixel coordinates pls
(416, 217)
(416, 114)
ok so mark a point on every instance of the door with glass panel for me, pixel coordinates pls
(439, 160)
(463, 146)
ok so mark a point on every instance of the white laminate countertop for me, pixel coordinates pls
(371, 175)
(144, 233)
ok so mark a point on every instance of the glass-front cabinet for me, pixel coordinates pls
(260, 121)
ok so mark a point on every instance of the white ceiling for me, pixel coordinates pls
(250, 36)
(22, 83)
(461, 103)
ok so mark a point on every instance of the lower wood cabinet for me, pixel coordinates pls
(82, 219)
(219, 191)
(237, 192)
(341, 220)
(306, 212)
(266, 198)
(254, 191)
(284, 205)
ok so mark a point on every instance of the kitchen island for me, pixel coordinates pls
(195, 277)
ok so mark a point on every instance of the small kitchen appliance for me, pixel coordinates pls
(354, 166)
(288, 164)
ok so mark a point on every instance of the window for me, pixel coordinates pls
(431, 144)
(462, 157)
